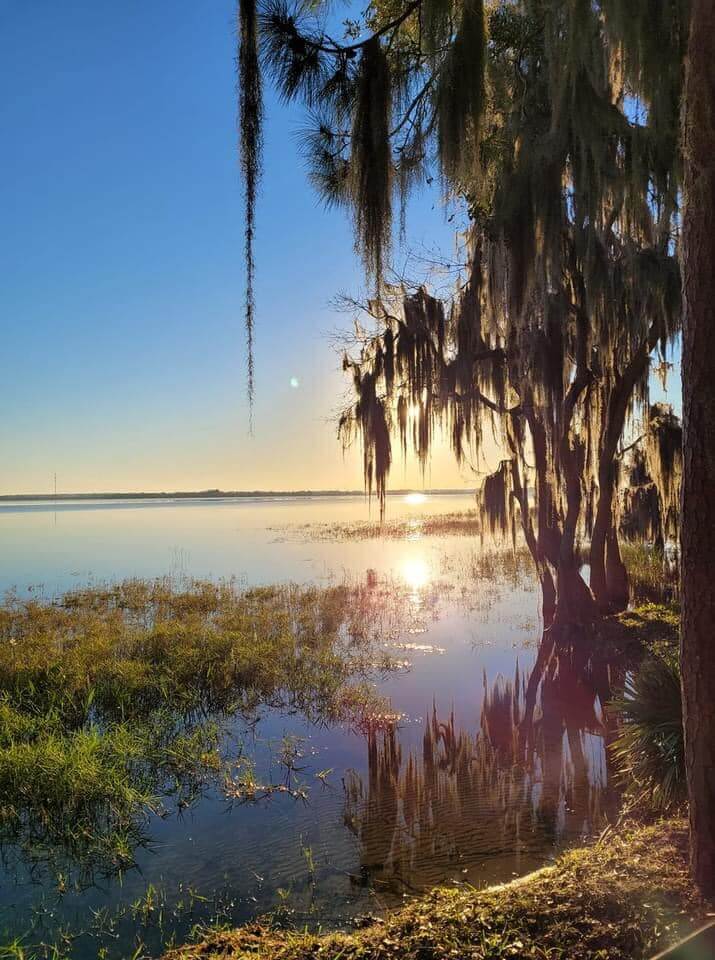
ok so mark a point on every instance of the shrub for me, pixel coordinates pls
(650, 749)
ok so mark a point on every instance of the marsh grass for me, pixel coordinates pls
(646, 628)
(461, 523)
(112, 699)
(651, 577)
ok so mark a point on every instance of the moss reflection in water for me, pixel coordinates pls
(112, 700)
(536, 769)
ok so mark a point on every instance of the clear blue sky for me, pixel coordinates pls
(122, 278)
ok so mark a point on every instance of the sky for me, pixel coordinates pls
(121, 289)
(123, 355)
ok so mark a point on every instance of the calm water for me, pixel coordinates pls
(399, 811)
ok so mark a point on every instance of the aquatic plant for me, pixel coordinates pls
(112, 700)
(653, 577)
(458, 523)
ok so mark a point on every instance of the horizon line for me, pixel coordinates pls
(215, 493)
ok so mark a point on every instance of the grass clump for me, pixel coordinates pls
(651, 576)
(645, 628)
(126, 651)
(112, 699)
(622, 898)
(460, 523)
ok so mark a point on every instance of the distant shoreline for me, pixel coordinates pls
(215, 495)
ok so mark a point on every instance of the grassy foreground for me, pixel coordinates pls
(112, 701)
(622, 898)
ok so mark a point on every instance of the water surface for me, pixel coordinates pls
(497, 762)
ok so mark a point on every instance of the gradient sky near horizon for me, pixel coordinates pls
(123, 358)
(121, 297)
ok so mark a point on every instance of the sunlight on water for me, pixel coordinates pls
(441, 787)
(416, 573)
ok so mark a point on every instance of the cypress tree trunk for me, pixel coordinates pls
(575, 604)
(533, 542)
(609, 578)
(617, 582)
(698, 491)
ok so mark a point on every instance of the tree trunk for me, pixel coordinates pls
(597, 552)
(609, 578)
(608, 575)
(617, 586)
(575, 605)
(697, 531)
(533, 542)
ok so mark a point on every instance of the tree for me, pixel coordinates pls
(572, 283)
(655, 41)
(649, 506)
(697, 531)
(406, 89)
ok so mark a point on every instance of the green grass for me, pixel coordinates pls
(123, 652)
(645, 627)
(622, 898)
(112, 700)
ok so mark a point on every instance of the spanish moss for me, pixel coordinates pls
(371, 160)
(460, 92)
(250, 108)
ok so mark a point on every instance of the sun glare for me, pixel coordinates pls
(415, 498)
(415, 573)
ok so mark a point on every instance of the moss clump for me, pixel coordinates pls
(619, 899)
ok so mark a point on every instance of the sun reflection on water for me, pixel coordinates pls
(416, 573)
(415, 498)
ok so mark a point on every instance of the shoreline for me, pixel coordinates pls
(623, 897)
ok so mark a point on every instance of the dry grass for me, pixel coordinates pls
(651, 578)
(619, 899)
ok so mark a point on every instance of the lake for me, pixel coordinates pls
(386, 813)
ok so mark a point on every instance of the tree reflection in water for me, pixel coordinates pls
(481, 806)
